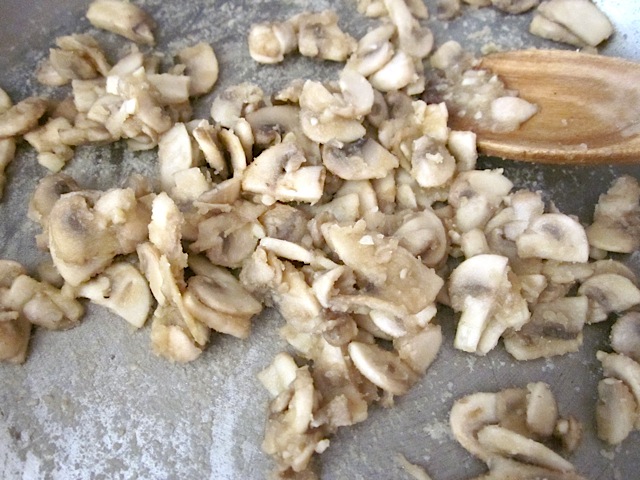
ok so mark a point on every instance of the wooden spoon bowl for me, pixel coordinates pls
(588, 108)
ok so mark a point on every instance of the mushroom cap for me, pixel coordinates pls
(554, 236)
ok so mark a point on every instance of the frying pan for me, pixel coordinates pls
(94, 402)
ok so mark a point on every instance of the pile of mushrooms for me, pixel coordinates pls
(350, 206)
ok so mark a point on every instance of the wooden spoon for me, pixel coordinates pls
(588, 108)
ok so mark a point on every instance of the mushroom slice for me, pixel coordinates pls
(545, 28)
(503, 442)
(43, 304)
(175, 154)
(401, 282)
(218, 300)
(542, 409)
(515, 6)
(170, 338)
(122, 289)
(361, 160)
(625, 335)
(22, 117)
(270, 42)
(278, 174)
(431, 164)
(580, 17)
(122, 18)
(607, 293)
(616, 219)
(235, 102)
(424, 235)
(476, 195)
(616, 411)
(419, 350)
(501, 468)
(554, 236)
(398, 72)
(414, 39)
(382, 368)
(555, 328)
(320, 36)
(201, 66)
(374, 50)
(7, 154)
(277, 377)
(616, 365)
(15, 332)
(474, 287)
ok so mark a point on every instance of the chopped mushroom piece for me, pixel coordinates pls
(625, 335)
(580, 17)
(123, 18)
(122, 289)
(22, 117)
(542, 409)
(618, 366)
(201, 65)
(270, 42)
(361, 160)
(515, 6)
(554, 236)
(15, 332)
(320, 36)
(607, 293)
(616, 411)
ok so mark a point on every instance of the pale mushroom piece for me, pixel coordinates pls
(235, 102)
(15, 332)
(165, 232)
(122, 18)
(570, 432)
(414, 39)
(616, 219)
(22, 117)
(279, 173)
(190, 184)
(508, 113)
(580, 17)
(170, 340)
(474, 242)
(320, 36)
(277, 377)
(286, 249)
(343, 130)
(270, 42)
(42, 304)
(122, 289)
(473, 288)
(554, 236)
(374, 50)
(542, 409)
(625, 335)
(417, 472)
(396, 74)
(476, 195)
(462, 146)
(401, 282)
(419, 350)
(607, 293)
(424, 235)
(7, 154)
(361, 160)
(47, 192)
(431, 165)
(504, 442)
(235, 151)
(5, 101)
(206, 136)
(545, 28)
(201, 65)
(616, 411)
(501, 468)
(383, 368)
(621, 367)
(170, 89)
(515, 6)
(555, 328)
(372, 8)
(285, 222)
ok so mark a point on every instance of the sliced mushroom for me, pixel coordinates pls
(618, 366)
(509, 469)
(175, 154)
(515, 6)
(545, 28)
(423, 234)
(625, 335)
(616, 219)
(431, 165)
(279, 173)
(414, 39)
(474, 288)
(607, 293)
(503, 442)
(320, 36)
(270, 42)
(7, 154)
(122, 289)
(382, 368)
(580, 17)
(361, 160)
(201, 66)
(555, 328)
(419, 350)
(616, 411)
(554, 236)
(542, 409)
(170, 338)
(22, 117)
(396, 74)
(234, 102)
(374, 50)
(122, 18)
(15, 332)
